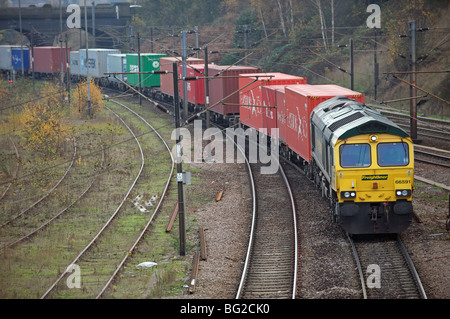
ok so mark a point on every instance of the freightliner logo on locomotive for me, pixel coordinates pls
(374, 177)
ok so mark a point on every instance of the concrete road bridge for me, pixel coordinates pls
(43, 23)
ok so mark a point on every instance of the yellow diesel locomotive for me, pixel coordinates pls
(364, 165)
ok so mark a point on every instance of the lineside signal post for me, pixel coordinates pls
(412, 79)
(182, 177)
(180, 184)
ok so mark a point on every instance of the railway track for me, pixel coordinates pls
(270, 269)
(427, 132)
(427, 127)
(22, 226)
(96, 238)
(51, 219)
(385, 268)
(156, 210)
(432, 156)
(96, 253)
(15, 172)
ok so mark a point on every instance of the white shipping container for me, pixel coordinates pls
(97, 61)
(6, 57)
(117, 63)
(75, 62)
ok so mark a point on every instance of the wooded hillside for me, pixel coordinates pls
(311, 38)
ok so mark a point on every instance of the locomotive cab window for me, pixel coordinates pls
(355, 155)
(313, 137)
(393, 154)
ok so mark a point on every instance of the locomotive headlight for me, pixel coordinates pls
(348, 195)
(403, 192)
(373, 138)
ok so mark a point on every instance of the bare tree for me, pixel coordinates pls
(264, 25)
(280, 10)
(291, 9)
(322, 22)
(332, 23)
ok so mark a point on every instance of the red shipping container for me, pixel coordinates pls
(300, 101)
(48, 59)
(251, 97)
(224, 85)
(196, 88)
(273, 95)
(166, 64)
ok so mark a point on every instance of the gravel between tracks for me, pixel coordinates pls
(227, 226)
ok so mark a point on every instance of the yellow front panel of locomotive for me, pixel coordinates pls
(367, 181)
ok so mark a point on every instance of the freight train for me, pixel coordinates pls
(361, 162)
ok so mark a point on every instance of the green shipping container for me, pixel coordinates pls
(149, 62)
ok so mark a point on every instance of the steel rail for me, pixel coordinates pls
(146, 228)
(15, 172)
(50, 191)
(63, 210)
(426, 132)
(358, 265)
(91, 243)
(447, 158)
(431, 163)
(412, 268)
(252, 229)
(295, 221)
(431, 148)
(294, 214)
(441, 157)
(402, 251)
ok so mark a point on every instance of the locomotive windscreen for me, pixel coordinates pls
(355, 155)
(393, 154)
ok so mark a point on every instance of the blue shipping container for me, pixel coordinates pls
(16, 57)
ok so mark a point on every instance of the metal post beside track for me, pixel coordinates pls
(87, 64)
(412, 79)
(180, 184)
(207, 87)
(184, 71)
(139, 67)
(352, 68)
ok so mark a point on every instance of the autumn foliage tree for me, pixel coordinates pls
(397, 20)
(80, 98)
(44, 131)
